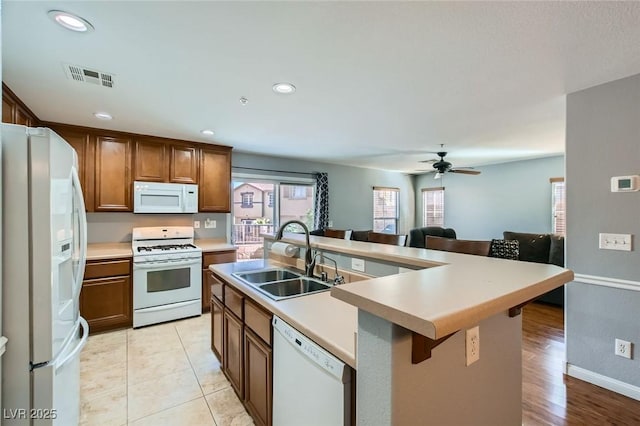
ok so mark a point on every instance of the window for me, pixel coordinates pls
(385, 210)
(433, 206)
(558, 206)
(297, 192)
(247, 200)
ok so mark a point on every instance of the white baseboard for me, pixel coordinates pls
(603, 381)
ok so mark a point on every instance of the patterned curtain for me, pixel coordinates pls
(321, 208)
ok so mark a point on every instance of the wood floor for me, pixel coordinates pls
(551, 398)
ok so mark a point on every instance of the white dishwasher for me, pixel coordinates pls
(310, 386)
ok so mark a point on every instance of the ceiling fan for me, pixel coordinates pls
(443, 166)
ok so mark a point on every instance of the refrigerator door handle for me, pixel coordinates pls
(82, 217)
(78, 348)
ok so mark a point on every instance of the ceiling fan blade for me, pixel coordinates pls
(465, 172)
(433, 160)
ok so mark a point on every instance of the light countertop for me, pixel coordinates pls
(454, 292)
(324, 319)
(214, 244)
(98, 251)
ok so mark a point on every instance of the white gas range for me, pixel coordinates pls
(167, 274)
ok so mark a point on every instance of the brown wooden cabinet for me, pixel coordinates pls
(249, 367)
(150, 161)
(113, 174)
(232, 362)
(258, 368)
(215, 180)
(110, 161)
(183, 164)
(81, 141)
(217, 312)
(208, 279)
(106, 295)
(14, 111)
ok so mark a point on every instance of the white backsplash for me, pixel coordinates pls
(116, 227)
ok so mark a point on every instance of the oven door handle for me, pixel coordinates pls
(164, 264)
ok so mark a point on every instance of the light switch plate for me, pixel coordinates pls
(357, 264)
(196, 224)
(621, 242)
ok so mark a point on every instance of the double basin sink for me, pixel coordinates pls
(281, 283)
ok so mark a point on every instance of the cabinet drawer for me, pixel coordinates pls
(233, 301)
(107, 268)
(258, 320)
(218, 257)
(215, 284)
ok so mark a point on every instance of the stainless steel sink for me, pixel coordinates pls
(292, 288)
(281, 283)
(267, 276)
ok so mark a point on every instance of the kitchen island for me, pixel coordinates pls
(411, 350)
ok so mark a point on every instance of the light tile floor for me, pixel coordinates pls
(164, 374)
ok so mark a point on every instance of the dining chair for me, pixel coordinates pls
(477, 247)
(391, 239)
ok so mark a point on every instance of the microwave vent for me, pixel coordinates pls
(87, 75)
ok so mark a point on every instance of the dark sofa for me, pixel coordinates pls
(541, 248)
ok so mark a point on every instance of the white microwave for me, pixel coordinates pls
(152, 197)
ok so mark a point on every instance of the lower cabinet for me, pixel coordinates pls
(232, 364)
(211, 258)
(241, 332)
(106, 295)
(217, 312)
(258, 382)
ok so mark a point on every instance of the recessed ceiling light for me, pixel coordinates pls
(103, 115)
(207, 132)
(284, 88)
(70, 21)
(244, 101)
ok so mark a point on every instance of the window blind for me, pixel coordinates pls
(558, 204)
(433, 206)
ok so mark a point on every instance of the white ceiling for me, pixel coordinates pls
(379, 84)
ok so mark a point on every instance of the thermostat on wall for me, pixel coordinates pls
(625, 183)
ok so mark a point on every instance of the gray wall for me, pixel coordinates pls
(603, 140)
(512, 196)
(350, 188)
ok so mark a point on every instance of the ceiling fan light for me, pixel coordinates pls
(438, 175)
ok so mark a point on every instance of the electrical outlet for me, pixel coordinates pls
(473, 345)
(357, 264)
(623, 348)
(209, 224)
(196, 224)
(330, 223)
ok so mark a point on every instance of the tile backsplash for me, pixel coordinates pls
(116, 227)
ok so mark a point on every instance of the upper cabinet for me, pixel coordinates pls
(14, 111)
(215, 180)
(151, 161)
(159, 161)
(113, 174)
(183, 167)
(82, 142)
(109, 162)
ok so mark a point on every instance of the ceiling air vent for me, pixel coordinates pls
(86, 75)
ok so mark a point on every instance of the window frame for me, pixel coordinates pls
(385, 218)
(249, 203)
(434, 192)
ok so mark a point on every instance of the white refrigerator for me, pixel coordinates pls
(44, 241)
